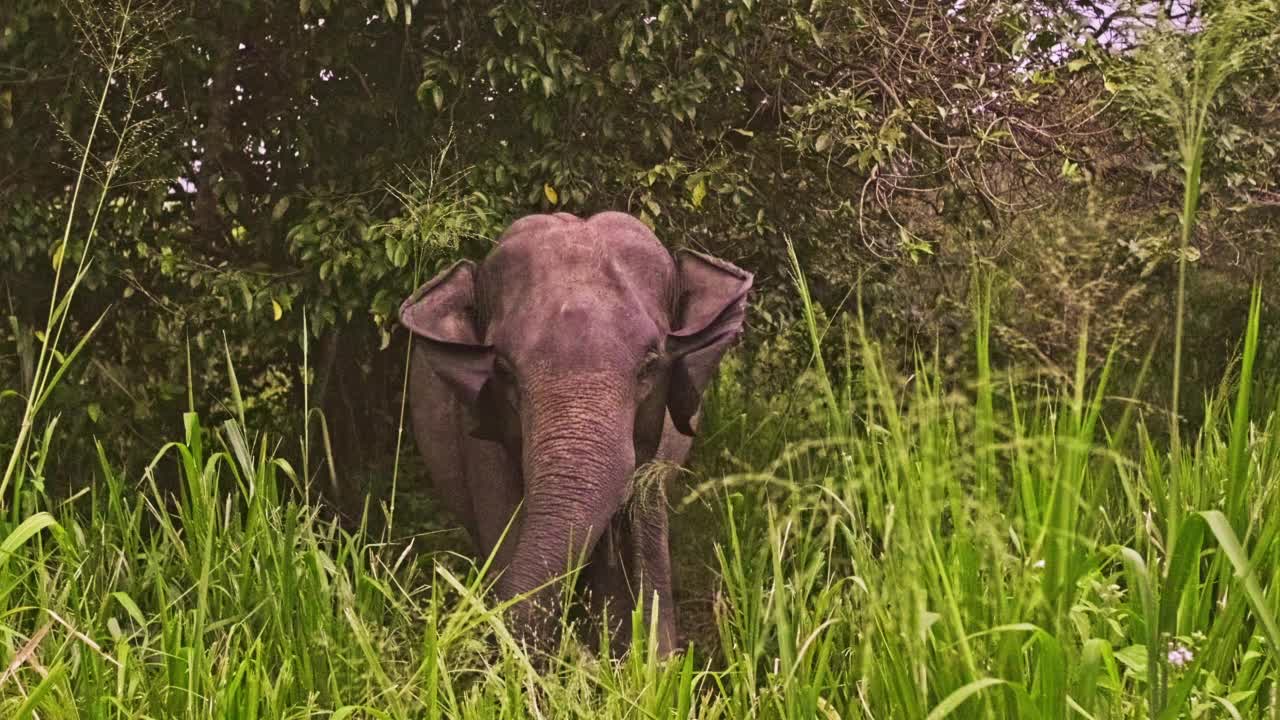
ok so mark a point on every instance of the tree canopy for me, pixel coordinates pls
(321, 158)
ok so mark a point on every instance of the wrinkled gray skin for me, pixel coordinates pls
(575, 352)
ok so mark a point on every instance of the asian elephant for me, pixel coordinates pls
(542, 377)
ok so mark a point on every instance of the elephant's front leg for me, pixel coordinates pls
(630, 565)
(610, 592)
(495, 494)
(651, 573)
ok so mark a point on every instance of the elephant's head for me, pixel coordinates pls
(570, 344)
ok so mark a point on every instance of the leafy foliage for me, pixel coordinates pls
(321, 158)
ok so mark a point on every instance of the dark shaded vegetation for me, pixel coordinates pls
(324, 158)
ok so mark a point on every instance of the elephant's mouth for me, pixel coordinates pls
(646, 489)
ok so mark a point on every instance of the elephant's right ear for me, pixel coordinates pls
(443, 313)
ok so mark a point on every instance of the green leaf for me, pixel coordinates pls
(37, 694)
(24, 532)
(57, 255)
(1135, 658)
(6, 108)
(699, 192)
(1051, 674)
(552, 196)
(1230, 545)
(130, 607)
(282, 207)
(393, 8)
(94, 411)
(1182, 564)
(1238, 448)
(1140, 580)
(276, 311)
(823, 143)
(1096, 669)
(957, 697)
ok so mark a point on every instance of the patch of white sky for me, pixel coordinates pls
(1118, 25)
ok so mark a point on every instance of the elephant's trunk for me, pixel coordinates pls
(579, 456)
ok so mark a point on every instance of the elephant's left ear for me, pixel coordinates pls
(711, 307)
(442, 313)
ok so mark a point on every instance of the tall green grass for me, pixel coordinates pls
(1005, 553)
(989, 554)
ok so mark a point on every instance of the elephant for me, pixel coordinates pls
(541, 378)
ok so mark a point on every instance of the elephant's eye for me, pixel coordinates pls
(502, 368)
(652, 362)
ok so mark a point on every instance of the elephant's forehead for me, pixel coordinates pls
(577, 336)
(606, 260)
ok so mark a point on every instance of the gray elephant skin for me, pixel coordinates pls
(541, 378)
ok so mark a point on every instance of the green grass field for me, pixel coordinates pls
(918, 552)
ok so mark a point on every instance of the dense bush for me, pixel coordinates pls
(278, 159)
